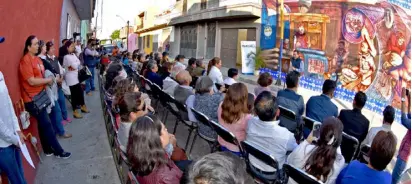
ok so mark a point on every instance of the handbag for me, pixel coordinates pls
(84, 74)
(41, 100)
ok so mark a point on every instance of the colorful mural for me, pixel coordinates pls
(364, 45)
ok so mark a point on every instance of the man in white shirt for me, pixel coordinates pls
(264, 133)
(78, 48)
(388, 118)
(10, 136)
(232, 74)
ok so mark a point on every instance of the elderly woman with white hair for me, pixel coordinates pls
(206, 102)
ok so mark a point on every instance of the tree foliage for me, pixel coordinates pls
(115, 34)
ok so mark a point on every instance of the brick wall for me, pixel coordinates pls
(18, 20)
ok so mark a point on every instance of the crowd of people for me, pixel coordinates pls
(254, 117)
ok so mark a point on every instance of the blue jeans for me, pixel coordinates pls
(48, 139)
(62, 102)
(398, 170)
(10, 163)
(90, 81)
(56, 118)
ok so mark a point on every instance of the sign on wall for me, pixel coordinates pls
(248, 49)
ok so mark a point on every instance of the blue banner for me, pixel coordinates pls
(268, 28)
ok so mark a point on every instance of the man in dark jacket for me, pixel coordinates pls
(91, 58)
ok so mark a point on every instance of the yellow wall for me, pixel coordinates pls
(148, 50)
(241, 36)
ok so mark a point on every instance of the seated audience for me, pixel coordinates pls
(388, 118)
(128, 85)
(232, 76)
(152, 74)
(114, 69)
(233, 114)
(264, 81)
(321, 107)
(130, 106)
(380, 155)
(169, 84)
(405, 148)
(206, 102)
(265, 133)
(213, 71)
(183, 90)
(179, 63)
(354, 122)
(192, 65)
(146, 153)
(199, 70)
(219, 168)
(321, 159)
(290, 99)
(165, 58)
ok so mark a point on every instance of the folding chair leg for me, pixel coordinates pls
(165, 116)
(176, 123)
(188, 138)
(193, 143)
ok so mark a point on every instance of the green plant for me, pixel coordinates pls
(115, 35)
(257, 56)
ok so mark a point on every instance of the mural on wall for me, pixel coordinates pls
(364, 45)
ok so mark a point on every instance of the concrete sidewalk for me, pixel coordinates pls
(91, 161)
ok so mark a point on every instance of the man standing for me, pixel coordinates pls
(78, 48)
(91, 58)
(296, 62)
(405, 148)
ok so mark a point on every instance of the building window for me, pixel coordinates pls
(211, 37)
(203, 4)
(69, 27)
(188, 41)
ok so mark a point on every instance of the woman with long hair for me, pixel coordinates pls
(55, 114)
(114, 70)
(146, 153)
(233, 114)
(60, 72)
(72, 64)
(128, 85)
(321, 159)
(213, 71)
(33, 83)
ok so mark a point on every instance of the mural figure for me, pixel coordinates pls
(340, 58)
(301, 39)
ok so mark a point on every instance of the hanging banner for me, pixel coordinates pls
(268, 27)
(248, 50)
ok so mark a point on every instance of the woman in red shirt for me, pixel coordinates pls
(33, 82)
(146, 152)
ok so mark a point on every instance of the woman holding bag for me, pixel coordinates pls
(72, 64)
(33, 86)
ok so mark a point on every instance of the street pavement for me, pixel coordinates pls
(91, 161)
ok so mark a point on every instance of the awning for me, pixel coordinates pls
(156, 27)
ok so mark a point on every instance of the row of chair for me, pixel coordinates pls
(120, 158)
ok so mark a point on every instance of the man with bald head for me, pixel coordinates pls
(183, 91)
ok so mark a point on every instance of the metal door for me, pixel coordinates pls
(228, 50)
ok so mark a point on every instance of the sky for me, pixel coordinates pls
(107, 21)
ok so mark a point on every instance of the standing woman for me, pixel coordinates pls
(56, 113)
(213, 71)
(71, 63)
(33, 83)
(60, 71)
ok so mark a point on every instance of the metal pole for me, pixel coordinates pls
(127, 37)
(282, 30)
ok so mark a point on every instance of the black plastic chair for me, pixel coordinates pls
(178, 110)
(156, 92)
(262, 156)
(349, 147)
(364, 153)
(288, 119)
(225, 134)
(132, 178)
(201, 118)
(299, 176)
